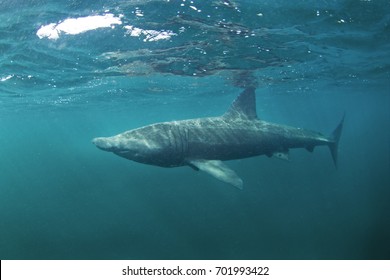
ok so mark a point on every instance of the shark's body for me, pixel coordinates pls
(204, 143)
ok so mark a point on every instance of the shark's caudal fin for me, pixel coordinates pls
(334, 138)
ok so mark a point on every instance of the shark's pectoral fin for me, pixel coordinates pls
(282, 155)
(190, 164)
(219, 170)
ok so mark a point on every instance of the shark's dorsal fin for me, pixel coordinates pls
(244, 106)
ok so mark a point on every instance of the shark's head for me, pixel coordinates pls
(134, 145)
(104, 143)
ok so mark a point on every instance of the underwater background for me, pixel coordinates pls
(74, 70)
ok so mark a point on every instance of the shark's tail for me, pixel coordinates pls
(334, 140)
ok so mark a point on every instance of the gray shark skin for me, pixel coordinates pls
(205, 142)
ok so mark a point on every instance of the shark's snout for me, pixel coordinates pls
(102, 143)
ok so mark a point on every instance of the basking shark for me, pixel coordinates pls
(204, 143)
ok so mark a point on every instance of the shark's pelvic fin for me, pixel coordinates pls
(244, 106)
(282, 155)
(219, 170)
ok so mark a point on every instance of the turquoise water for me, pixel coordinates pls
(152, 61)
